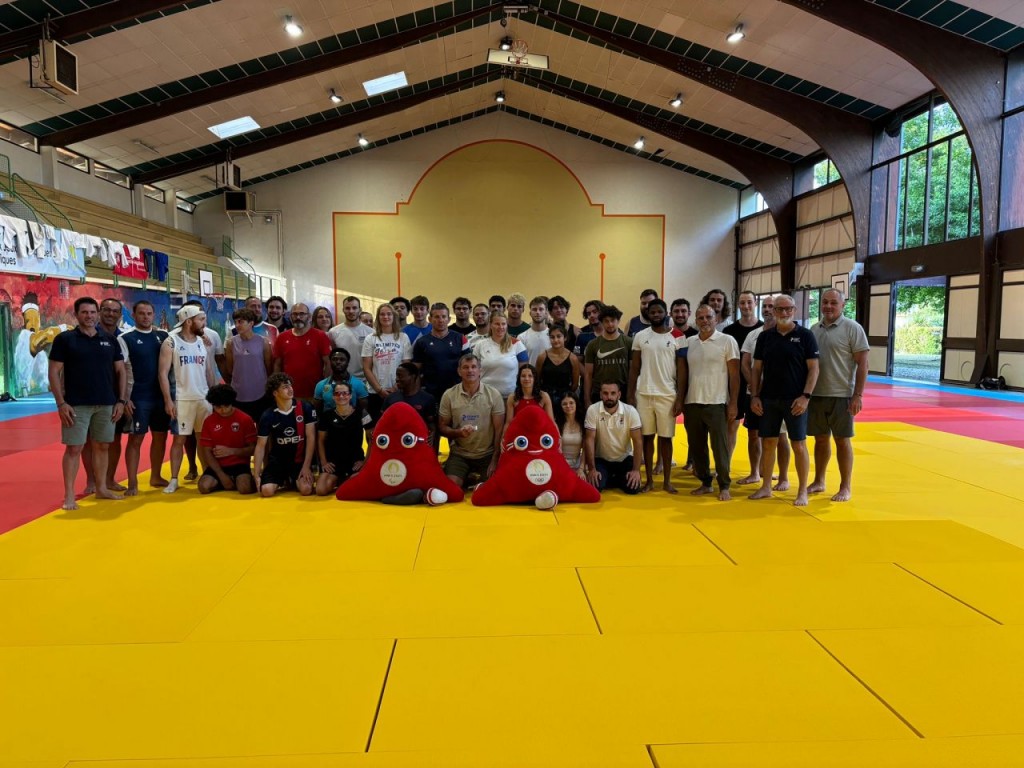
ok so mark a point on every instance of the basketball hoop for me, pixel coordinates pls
(219, 299)
(519, 52)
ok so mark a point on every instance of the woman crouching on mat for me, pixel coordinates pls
(339, 441)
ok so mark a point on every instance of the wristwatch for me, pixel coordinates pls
(807, 395)
(122, 402)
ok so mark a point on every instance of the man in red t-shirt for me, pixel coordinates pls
(304, 353)
(226, 444)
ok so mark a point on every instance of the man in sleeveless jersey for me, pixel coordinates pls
(185, 353)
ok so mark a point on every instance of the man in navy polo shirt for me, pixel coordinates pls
(437, 354)
(88, 382)
(784, 374)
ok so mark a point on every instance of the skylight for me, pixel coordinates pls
(234, 127)
(385, 84)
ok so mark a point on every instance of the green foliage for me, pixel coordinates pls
(917, 340)
(929, 206)
(923, 298)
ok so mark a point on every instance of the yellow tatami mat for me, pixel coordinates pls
(499, 692)
(653, 631)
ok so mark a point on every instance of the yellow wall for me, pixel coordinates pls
(499, 217)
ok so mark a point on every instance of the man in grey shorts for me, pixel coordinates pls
(88, 382)
(838, 395)
(471, 416)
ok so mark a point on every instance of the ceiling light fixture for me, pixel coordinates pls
(335, 98)
(292, 27)
(736, 35)
(500, 97)
(677, 102)
(363, 141)
(506, 43)
(639, 143)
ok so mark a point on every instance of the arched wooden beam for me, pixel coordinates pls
(971, 76)
(773, 178)
(257, 82)
(846, 138)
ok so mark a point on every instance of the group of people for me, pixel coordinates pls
(300, 393)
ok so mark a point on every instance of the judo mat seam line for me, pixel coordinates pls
(713, 544)
(867, 687)
(235, 584)
(950, 595)
(383, 689)
(590, 605)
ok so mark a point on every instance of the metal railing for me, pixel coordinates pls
(22, 200)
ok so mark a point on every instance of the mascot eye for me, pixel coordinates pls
(382, 441)
(521, 442)
(546, 441)
(408, 440)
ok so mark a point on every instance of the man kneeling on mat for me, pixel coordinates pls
(226, 444)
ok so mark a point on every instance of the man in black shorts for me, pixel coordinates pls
(784, 375)
(226, 444)
(285, 441)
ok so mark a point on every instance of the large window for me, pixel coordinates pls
(932, 189)
(825, 173)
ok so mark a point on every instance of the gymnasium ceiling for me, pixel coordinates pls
(153, 76)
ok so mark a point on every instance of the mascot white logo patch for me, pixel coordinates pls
(393, 472)
(538, 472)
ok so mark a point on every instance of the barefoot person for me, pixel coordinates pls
(88, 383)
(709, 384)
(144, 412)
(751, 420)
(784, 374)
(838, 395)
(653, 381)
(185, 354)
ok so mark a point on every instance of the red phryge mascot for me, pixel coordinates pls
(402, 467)
(533, 469)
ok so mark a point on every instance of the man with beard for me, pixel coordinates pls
(751, 420)
(276, 308)
(303, 353)
(350, 334)
(613, 446)
(681, 318)
(185, 353)
(642, 321)
(785, 372)
(653, 374)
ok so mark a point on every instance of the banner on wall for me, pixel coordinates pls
(41, 309)
(27, 247)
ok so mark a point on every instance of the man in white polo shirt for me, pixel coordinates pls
(709, 385)
(613, 446)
